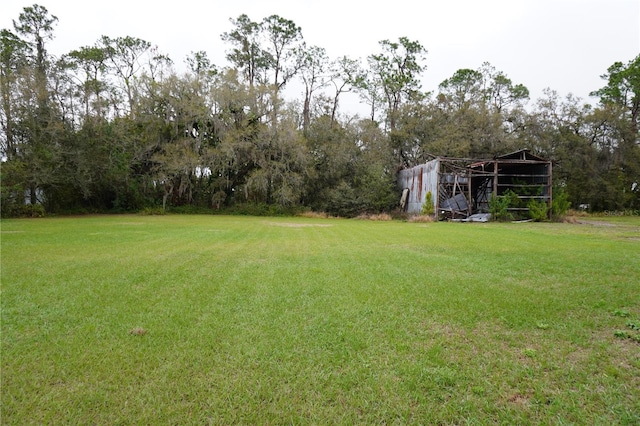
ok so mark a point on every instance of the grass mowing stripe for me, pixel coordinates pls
(207, 319)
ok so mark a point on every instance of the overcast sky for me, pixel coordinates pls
(564, 45)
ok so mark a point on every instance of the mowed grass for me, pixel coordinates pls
(240, 320)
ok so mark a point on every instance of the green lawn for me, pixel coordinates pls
(241, 320)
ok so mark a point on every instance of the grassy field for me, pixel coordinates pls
(241, 320)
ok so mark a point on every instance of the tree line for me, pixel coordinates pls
(114, 127)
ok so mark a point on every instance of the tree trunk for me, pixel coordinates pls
(306, 113)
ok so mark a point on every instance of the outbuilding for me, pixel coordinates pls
(460, 187)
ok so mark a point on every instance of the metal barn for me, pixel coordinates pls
(463, 187)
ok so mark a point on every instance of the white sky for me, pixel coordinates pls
(564, 45)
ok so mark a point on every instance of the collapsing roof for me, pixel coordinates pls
(461, 187)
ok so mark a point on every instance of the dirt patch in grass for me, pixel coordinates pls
(421, 219)
(596, 223)
(375, 217)
(299, 225)
(519, 399)
(315, 215)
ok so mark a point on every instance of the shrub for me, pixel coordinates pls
(538, 210)
(427, 208)
(24, 210)
(152, 211)
(499, 206)
(560, 204)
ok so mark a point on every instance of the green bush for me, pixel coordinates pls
(498, 206)
(560, 203)
(538, 210)
(24, 210)
(427, 208)
(152, 211)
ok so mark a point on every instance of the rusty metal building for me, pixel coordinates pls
(462, 187)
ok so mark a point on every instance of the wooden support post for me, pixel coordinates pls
(469, 208)
(550, 184)
(495, 178)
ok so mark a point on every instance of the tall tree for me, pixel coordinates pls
(620, 102)
(13, 57)
(346, 75)
(485, 87)
(124, 54)
(280, 157)
(238, 130)
(39, 150)
(332, 150)
(283, 49)
(284, 53)
(370, 89)
(499, 91)
(375, 169)
(200, 65)
(623, 89)
(92, 60)
(313, 74)
(247, 52)
(462, 90)
(397, 69)
(419, 135)
(37, 24)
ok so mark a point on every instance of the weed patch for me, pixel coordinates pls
(421, 219)
(375, 217)
(632, 326)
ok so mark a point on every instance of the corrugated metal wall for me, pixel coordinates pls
(420, 180)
